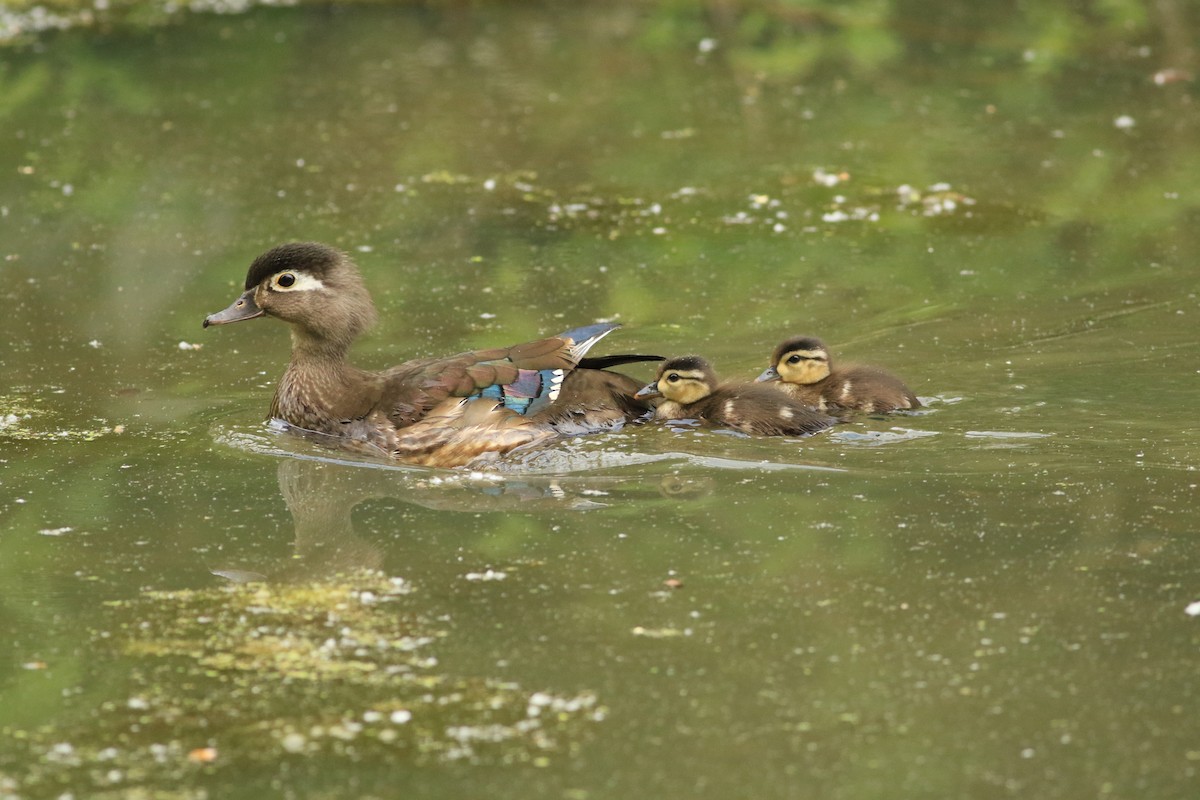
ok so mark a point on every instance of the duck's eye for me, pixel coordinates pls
(673, 378)
(795, 360)
(285, 280)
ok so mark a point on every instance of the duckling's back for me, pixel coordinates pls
(755, 408)
(867, 389)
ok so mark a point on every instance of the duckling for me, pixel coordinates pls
(801, 366)
(441, 412)
(690, 390)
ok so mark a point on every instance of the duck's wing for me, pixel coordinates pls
(462, 430)
(523, 378)
(594, 400)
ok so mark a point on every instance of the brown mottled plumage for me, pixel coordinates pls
(427, 411)
(690, 390)
(802, 368)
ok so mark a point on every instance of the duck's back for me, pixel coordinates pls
(755, 408)
(461, 430)
(593, 399)
(868, 389)
(808, 394)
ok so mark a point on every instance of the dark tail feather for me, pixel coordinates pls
(604, 362)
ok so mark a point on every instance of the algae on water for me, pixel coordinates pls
(227, 678)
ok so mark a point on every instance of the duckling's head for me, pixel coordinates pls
(801, 359)
(312, 286)
(685, 380)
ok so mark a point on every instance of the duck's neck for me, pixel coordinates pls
(320, 388)
(309, 348)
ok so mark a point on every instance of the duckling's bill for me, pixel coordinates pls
(241, 309)
(649, 390)
(768, 374)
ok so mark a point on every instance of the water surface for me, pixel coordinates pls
(986, 598)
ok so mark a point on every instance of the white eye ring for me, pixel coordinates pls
(295, 281)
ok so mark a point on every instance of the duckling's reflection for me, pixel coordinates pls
(321, 496)
(685, 487)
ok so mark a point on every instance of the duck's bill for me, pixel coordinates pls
(768, 374)
(242, 309)
(649, 390)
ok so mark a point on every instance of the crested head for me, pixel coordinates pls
(312, 258)
(317, 289)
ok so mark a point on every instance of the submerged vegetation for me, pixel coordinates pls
(20, 419)
(286, 677)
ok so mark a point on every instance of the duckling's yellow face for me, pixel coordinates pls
(803, 366)
(684, 386)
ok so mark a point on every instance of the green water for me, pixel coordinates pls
(983, 599)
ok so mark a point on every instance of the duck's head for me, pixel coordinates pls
(685, 380)
(312, 286)
(802, 359)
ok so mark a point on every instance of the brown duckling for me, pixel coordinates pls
(801, 366)
(690, 390)
(442, 412)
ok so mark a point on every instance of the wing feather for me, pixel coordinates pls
(528, 375)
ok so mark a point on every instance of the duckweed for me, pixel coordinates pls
(246, 675)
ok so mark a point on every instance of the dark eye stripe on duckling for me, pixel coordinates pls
(532, 390)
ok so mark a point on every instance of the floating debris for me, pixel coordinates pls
(17, 413)
(488, 575)
(661, 633)
(824, 178)
(203, 755)
(233, 678)
(936, 200)
(1165, 77)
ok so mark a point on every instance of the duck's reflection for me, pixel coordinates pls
(321, 496)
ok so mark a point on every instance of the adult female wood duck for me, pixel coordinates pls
(690, 390)
(801, 366)
(439, 412)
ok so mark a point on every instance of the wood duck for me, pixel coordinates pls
(690, 390)
(439, 412)
(801, 366)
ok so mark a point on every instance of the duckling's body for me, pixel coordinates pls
(441, 412)
(690, 390)
(801, 367)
